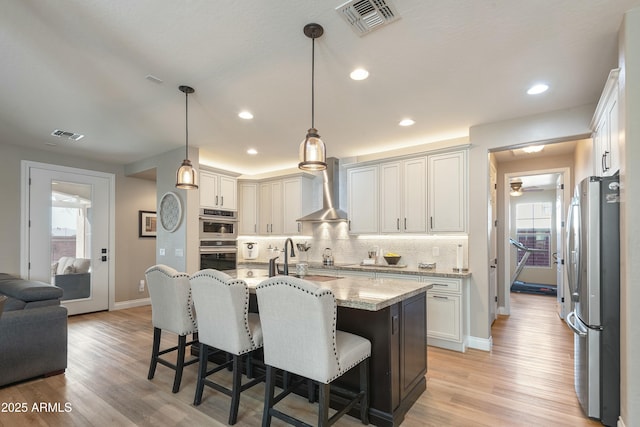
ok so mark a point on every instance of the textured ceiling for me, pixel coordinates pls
(80, 66)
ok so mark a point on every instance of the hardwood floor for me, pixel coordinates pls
(526, 380)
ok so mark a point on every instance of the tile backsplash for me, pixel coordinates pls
(347, 249)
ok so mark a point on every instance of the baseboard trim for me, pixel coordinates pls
(131, 303)
(484, 344)
(620, 422)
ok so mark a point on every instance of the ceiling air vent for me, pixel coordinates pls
(67, 134)
(365, 16)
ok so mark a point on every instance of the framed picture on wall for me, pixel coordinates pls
(147, 221)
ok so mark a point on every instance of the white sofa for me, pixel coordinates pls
(73, 275)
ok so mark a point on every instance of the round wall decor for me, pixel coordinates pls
(170, 211)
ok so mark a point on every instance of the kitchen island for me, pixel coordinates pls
(391, 313)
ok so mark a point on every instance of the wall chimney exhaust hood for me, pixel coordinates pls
(331, 192)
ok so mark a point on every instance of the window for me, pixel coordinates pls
(533, 230)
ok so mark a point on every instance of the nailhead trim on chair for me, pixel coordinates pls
(324, 292)
(246, 304)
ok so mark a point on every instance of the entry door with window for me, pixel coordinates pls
(68, 233)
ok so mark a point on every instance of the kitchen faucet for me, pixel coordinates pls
(286, 258)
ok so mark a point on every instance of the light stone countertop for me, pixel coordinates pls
(355, 292)
(336, 268)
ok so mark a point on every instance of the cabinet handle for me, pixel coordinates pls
(216, 200)
(255, 227)
(431, 222)
(397, 223)
(299, 227)
(349, 225)
(221, 200)
(438, 284)
(405, 223)
(604, 161)
(440, 297)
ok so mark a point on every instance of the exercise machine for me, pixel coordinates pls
(532, 288)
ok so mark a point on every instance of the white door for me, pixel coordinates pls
(560, 242)
(69, 213)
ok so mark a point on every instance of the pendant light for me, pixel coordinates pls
(186, 178)
(312, 150)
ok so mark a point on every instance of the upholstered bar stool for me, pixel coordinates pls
(224, 323)
(171, 310)
(299, 327)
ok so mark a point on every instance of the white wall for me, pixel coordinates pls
(629, 137)
(558, 125)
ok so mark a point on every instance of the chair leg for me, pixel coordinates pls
(154, 352)
(202, 373)
(269, 389)
(364, 387)
(236, 388)
(323, 405)
(182, 344)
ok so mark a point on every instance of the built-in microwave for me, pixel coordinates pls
(218, 224)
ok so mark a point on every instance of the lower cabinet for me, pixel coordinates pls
(446, 313)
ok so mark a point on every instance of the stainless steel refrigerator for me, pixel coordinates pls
(593, 255)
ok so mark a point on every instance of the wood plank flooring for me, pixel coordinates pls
(526, 380)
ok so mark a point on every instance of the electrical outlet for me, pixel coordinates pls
(141, 286)
(179, 252)
(436, 251)
(161, 251)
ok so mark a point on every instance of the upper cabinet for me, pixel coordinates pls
(606, 159)
(248, 211)
(273, 206)
(362, 191)
(423, 194)
(403, 196)
(270, 208)
(218, 191)
(448, 192)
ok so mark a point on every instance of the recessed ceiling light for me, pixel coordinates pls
(406, 122)
(538, 89)
(252, 151)
(245, 115)
(533, 149)
(359, 74)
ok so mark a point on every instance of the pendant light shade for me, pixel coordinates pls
(186, 177)
(312, 150)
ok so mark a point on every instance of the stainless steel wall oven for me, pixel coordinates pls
(218, 254)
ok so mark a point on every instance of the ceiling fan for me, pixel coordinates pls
(517, 189)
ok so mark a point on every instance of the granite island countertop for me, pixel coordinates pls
(363, 293)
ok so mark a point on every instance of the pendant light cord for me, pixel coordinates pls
(186, 123)
(313, 68)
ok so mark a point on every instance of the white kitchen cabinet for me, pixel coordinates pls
(606, 157)
(218, 191)
(447, 312)
(403, 193)
(248, 208)
(270, 207)
(298, 199)
(362, 195)
(281, 202)
(447, 190)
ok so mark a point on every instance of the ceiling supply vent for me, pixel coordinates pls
(70, 135)
(365, 16)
